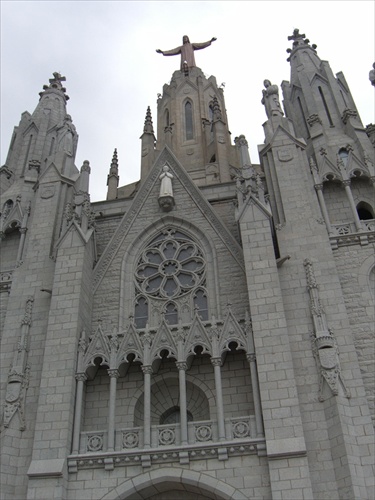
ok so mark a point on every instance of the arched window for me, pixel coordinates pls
(188, 120)
(171, 316)
(344, 155)
(172, 416)
(166, 118)
(325, 107)
(365, 211)
(200, 303)
(211, 112)
(141, 312)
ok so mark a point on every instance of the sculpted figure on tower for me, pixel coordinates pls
(187, 51)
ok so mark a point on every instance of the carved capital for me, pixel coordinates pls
(147, 369)
(112, 372)
(81, 377)
(251, 357)
(216, 361)
(181, 365)
(346, 182)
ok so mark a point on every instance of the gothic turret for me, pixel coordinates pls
(47, 131)
(192, 122)
(321, 106)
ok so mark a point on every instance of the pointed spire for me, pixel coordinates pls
(148, 128)
(298, 42)
(55, 83)
(114, 164)
(113, 178)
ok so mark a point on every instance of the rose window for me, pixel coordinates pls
(170, 266)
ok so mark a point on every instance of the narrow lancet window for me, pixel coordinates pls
(326, 107)
(189, 120)
(200, 304)
(303, 117)
(171, 314)
(141, 312)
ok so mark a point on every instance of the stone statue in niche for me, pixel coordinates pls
(270, 99)
(67, 136)
(166, 199)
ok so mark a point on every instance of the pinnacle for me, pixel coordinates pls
(148, 127)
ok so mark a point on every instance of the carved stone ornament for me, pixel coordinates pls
(285, 155)
(18, 377)
(167, 436)
(203, 433)
(130, 439)
(95, 442)
(241, 429)
(312, 119)
(324, 345)
(47, 192)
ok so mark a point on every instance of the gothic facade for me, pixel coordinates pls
(207, 331)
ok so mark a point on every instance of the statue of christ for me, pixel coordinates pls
(187, 51)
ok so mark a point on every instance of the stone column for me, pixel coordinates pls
(81, 379)
(113, 376)
(323, 207)
(256, 394)
(147, 370)
(182, 366)
(349, 194)
(216, 362)
(21, 245)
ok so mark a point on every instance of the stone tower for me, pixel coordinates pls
(205, 332)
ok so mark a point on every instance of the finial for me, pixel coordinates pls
(114, 164)
(298, 41)
(55, 83)
(148, 122)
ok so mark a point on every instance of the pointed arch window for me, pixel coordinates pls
(201, 304)
(141, 312)
(326, 109)
(171, 316)
(189, 121)
(166, 115)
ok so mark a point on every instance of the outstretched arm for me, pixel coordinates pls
(203, 45)
(172, 52)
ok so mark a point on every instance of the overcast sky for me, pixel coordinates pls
(106, 51)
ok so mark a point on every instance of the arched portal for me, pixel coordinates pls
(160, 484)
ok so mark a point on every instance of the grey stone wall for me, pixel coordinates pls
(355, 265)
